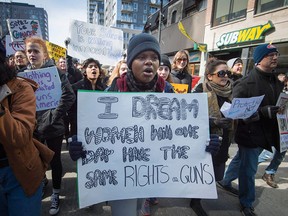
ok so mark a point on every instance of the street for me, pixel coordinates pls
(269, 201)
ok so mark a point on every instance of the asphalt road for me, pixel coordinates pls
(269, 202)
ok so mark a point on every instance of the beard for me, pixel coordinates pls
(6, 73)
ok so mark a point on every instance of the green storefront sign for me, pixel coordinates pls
(254, 33)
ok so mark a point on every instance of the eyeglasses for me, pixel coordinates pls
(222, 73)
(271, 55)
(181, 59)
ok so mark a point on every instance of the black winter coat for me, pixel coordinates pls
(263, 133)
(50, 123)
(182, 77)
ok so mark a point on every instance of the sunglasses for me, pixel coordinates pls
(222, 73)
(181, 59)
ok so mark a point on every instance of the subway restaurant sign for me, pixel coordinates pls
(254, 33)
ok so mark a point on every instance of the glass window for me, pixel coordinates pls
(173, 19)
(135, 7)
(266, 5)
(228, 10)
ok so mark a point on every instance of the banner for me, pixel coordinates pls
(143, 145)
(97, 41)
(49, 92)
(55, 52)
(20, 29)
(282, 119)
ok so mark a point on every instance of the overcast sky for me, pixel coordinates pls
(60, 12)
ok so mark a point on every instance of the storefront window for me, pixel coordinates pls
(266, 5)
(228, 10)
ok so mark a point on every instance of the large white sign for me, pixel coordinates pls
(12, 47)
(282, 119)
(95, 41)
(49, 92)
(143, 145)
(22, 28)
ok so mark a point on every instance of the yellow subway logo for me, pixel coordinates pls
(254, 33)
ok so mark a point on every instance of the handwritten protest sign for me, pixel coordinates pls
(103, 43)
(20, 29)
(282, 119)
(49, 92)
(143, 145)
(241, 108)
(55, 52)
(180, 88)
(12, 47)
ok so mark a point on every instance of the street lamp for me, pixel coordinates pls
(160, 21)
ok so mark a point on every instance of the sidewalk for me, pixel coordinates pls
(269, 202)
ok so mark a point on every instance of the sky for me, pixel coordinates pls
(60, 13)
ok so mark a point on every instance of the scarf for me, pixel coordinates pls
(127, 83)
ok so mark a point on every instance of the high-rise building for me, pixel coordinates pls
(16, 10)
(128, 15)
(95, 11)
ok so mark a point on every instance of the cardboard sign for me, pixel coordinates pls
(180, 88)
(282, 119)
(143, 145)
(55, 52)
(20, 29)
(12, 47)
(97, 41)
(49, 92)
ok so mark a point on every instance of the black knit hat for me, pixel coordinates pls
(141, 43)
(165, 61)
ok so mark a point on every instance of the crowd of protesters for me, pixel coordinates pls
(23, 182)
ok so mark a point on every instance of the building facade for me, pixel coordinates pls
(235, 29)
(23, 11)
(95, 11)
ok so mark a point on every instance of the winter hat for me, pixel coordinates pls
(262, 50)
(141, 43)
(233, 61)
(165, 61)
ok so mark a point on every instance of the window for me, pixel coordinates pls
(173, 18)
(145, 9)
(144, 19)
(228, 10)
(135, 7)
(266, 5)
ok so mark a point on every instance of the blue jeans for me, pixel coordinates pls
(265, 155)
(247, 171)
(13, 200)
(275, 162)
(232, 172)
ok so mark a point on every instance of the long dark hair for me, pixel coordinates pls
(6, 73)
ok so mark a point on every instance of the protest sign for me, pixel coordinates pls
(143, 145)
(20, 29)
(49, 92)
(12, 47)
(241, 108)
(55, 52)
(282, 119)
(103, 43)
(180, 88)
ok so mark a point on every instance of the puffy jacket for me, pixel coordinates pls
(50, 123)
(182, 77)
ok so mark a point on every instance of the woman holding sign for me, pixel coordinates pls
(143, 57)
(50, 124)
(218, 87)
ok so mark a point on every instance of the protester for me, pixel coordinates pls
(261, 129)
(143, 57)
(235, 65)
(92, 80)
(218, 87)
(164, 71)
(119, 69)
(180, 73)
(50, 124)
(23, 160)
(21, 60)
(11, 61)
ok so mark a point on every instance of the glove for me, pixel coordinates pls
(75, 149)
(214, 144)
(223, 123)
(269, 111)
(253, 118)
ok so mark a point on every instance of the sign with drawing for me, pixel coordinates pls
(282, 119)
(146, 144)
